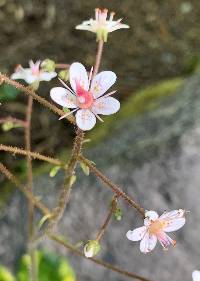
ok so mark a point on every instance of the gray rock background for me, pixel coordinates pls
(155, 157)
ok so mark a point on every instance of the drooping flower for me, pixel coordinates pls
(101, 25)
(87, 95)
(196, 275)
(155, 229)
(33, 74)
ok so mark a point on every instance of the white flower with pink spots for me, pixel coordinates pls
(155, 229)
(101, 25)
(32, 74)
(87, 96)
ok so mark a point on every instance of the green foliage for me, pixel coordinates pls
(8, 93)
(85, 168)
(5, 275)
(50, 267)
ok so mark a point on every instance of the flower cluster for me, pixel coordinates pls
(87, 95)
(155, 229)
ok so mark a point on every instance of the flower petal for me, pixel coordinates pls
(106, 106)
(165, 240)
(137, 234)
(148, 243)
(150, 216)
(47, 76)
(102, 82)
(78, 73)
(63, 97)
(175, 214)
(196, 275)
(85, 119)
(174, 224)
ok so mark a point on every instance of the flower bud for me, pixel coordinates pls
(7, 126)
(48, 65)
(64, 74)
(92, 248)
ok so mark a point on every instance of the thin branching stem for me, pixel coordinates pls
(98, 57)
(69, 173)
(68, 246)
(113, 186)
(25, 190)
(31, 230)
(97, 261)
(15, 121)
(28, 91)
(108, 218)
(34, 155)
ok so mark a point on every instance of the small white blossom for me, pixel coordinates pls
(87, 95)
(101, 25)
(196, 275)
(155, 229)
(33, 74)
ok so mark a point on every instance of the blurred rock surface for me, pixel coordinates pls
(156, 158)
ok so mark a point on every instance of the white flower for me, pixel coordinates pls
(155, 229)
(87, 95)
(33, 73)
(196, 275)
(101, 25)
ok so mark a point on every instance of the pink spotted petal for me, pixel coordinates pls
(85, 119)
(63, 97)
(102, 82)
(175, 214)
(174, 224)
(106, 106)
(137, 234)
(78, 74)
(148, 243)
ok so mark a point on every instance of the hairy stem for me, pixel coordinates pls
(68, 246)
(98, 57)
(69, 173)
(34, 155)
(97, 261)
(16, 121)
(113, 186)
(33, 264)
(108, 218)
(28, 91)
(29, 195)
(62, 65)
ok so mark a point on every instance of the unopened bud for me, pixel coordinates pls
(92, 248)
(64, 74)
(48, 65)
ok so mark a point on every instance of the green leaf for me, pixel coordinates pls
(43, 219)
(72, 180)
(54, 171)
(85, 168)
(8, 92)
(51, 267)
(5, 275)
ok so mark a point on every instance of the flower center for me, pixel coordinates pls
(84, 98)
(156, 227)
